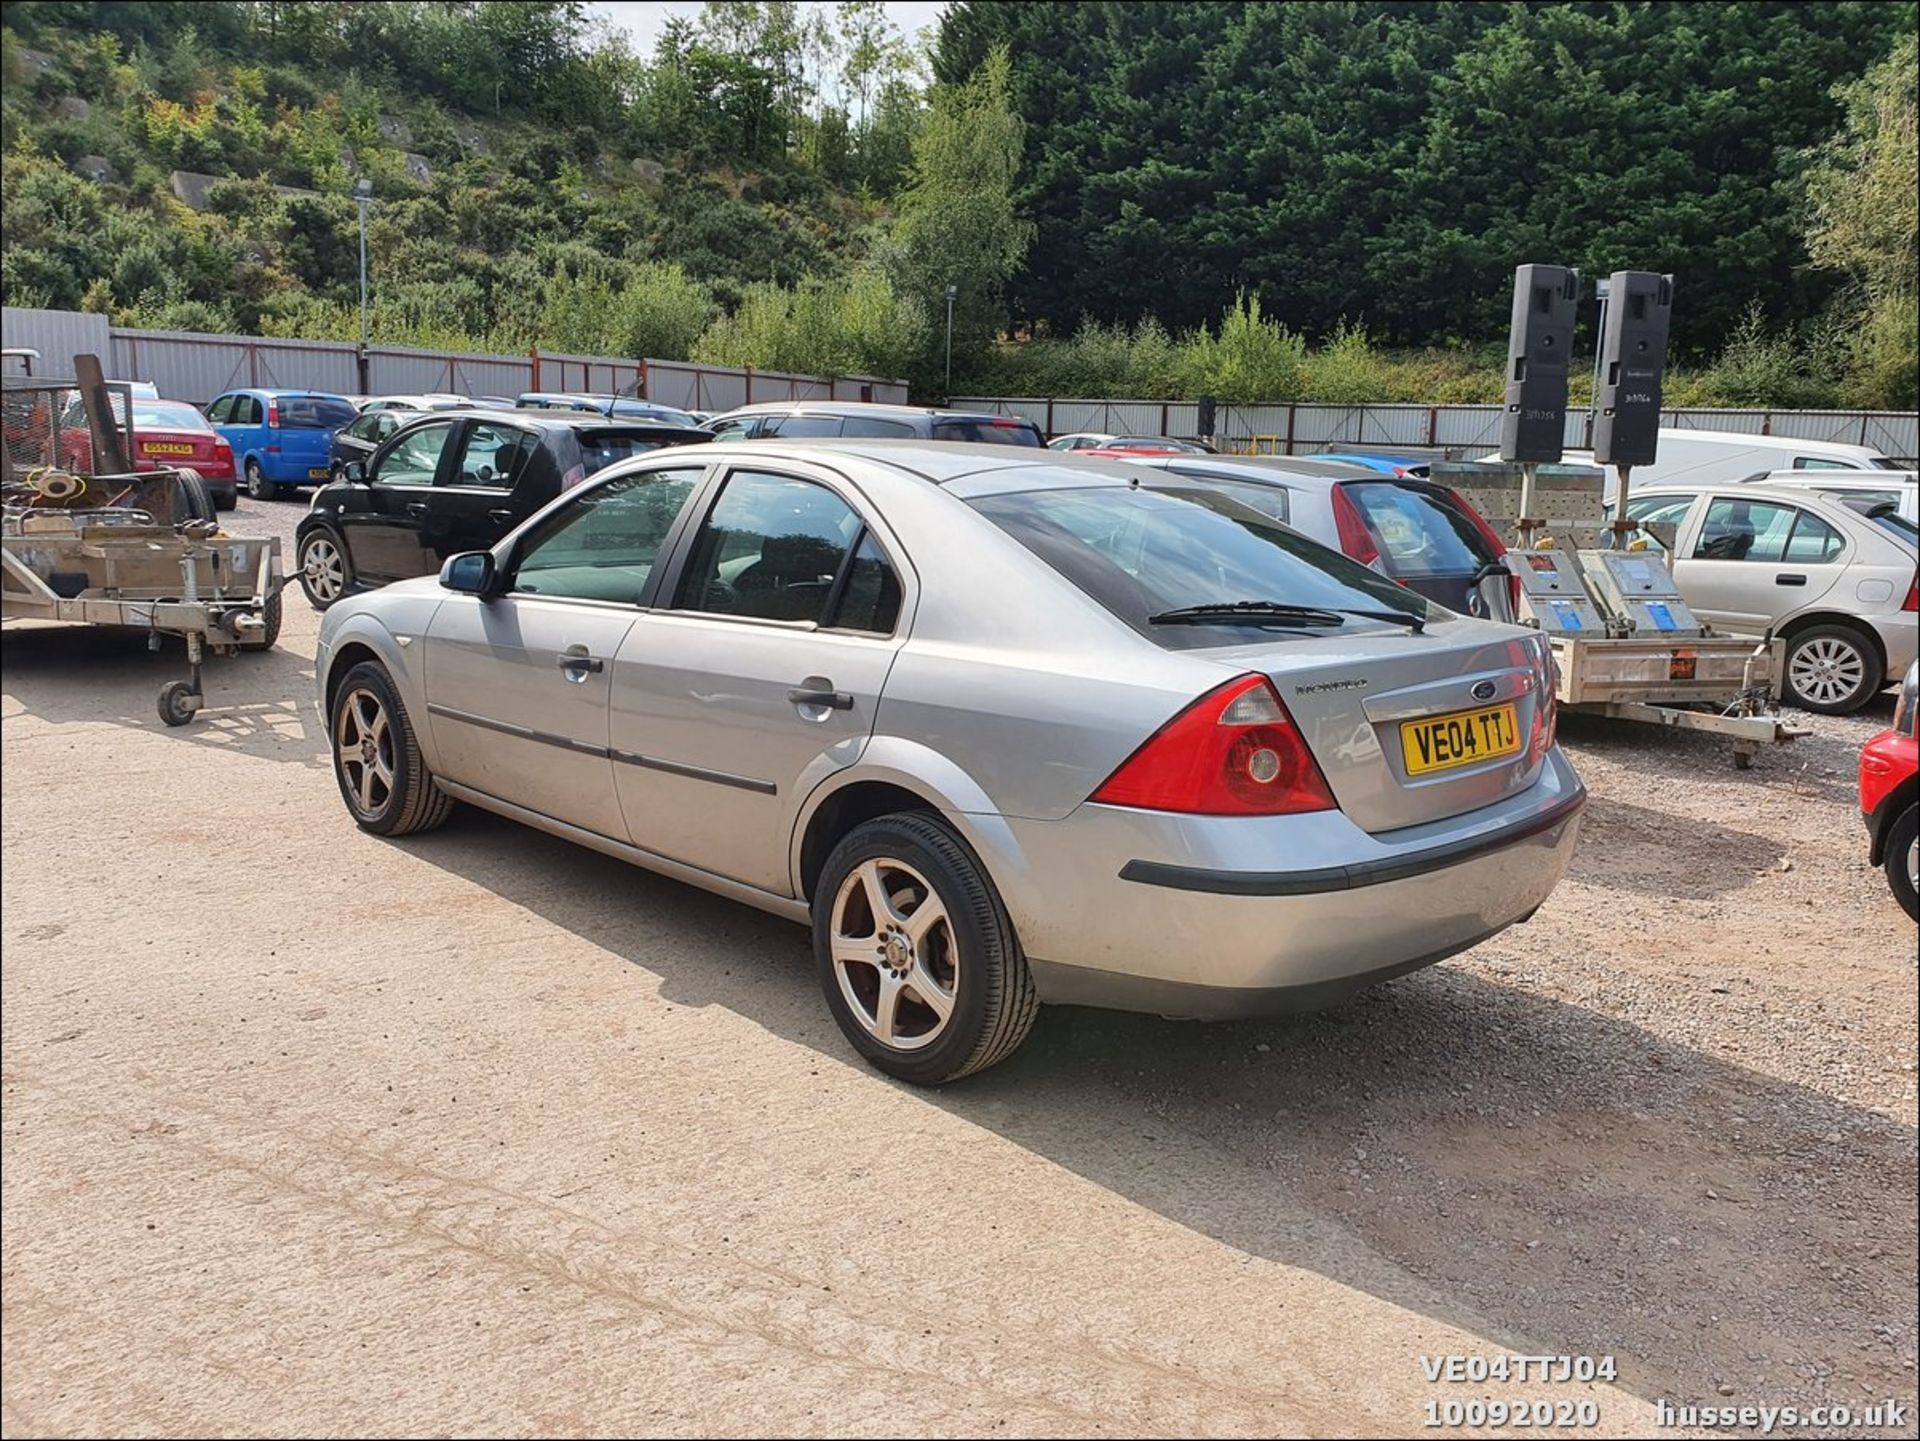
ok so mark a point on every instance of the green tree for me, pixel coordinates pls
(957, 225)
(1864, 214)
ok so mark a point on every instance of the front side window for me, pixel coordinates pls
(1745, 530)
(493, 457)
(603, 545)
(367, 427)
(221, 410)
(1143, 552)
(771, 548)
(415, 456)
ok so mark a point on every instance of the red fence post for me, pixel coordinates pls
(533, 365)
(253, 364)
(1433, 426)
(643, 379)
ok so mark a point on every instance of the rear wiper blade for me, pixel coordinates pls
(1253, 612)
(1414, 623)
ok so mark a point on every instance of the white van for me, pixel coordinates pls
(1708, 457)
(1861, 492)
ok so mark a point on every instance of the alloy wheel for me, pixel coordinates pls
(323, 570)
(1913, 863)
(363, 747)
(1827, 670)
(895, 954)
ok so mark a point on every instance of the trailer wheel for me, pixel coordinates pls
(270, 622)
(176, 703)
(196, 501)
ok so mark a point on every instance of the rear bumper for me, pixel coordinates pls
(1264, 916)
(1899, 634)
(1888, 766)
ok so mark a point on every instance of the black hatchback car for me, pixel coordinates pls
(444, 482)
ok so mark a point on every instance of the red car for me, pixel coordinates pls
(167, 433)
(1890, 796)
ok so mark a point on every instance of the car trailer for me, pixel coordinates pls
(1625, 644)
(119, 548)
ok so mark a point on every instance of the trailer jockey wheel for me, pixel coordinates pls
(178, 702)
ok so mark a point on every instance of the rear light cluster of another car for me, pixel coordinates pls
(1495, 545)
(1233, 752)
(1546, 710)
(1912, 602)
(1355, 538)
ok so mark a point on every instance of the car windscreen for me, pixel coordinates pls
(601, 448)
(314, 412)
(1143, 551)
(986, 431)
(152, 415)
(1420, 529)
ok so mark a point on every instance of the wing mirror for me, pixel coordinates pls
(470, 573)
(356, 471)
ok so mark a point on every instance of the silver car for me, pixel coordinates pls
(1002, 727)
(1836, 584)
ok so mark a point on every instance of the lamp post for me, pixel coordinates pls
(952, 292)
(363, 196)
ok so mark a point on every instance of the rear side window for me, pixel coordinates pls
(1421, 531)
(1814, 462)
(1139, 552)
(989, 432)
(601, 448)
(771, 548)
(1812, 541)
(870, 599)
(799, 427)
(492, 457)
(247, 410)
(314, 412)
(874, 428)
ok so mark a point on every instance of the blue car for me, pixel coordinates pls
(280, 438)
(1401, 466)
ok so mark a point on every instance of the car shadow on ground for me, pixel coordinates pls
(260, 703)
(1445, 1136)
(1631, 847)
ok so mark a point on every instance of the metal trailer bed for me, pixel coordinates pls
(151, 557)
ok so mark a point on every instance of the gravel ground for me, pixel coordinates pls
(307, 1132)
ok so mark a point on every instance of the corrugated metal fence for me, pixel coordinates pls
(189, 366)
(1303, 429)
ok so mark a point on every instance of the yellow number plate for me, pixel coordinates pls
(165, 447)
(1443, 742)
(317, 473)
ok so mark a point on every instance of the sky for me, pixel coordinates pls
(644, 19)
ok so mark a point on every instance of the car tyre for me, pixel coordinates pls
(916, 953)
(376, 757)
(226, 497)
(196, 499)
(1832, 670)
(258, 486)
(325, 572)
(1901, 860)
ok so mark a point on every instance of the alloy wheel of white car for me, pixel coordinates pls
(1827, 671)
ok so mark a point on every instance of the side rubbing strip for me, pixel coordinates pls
(525, 733)
(698, 773)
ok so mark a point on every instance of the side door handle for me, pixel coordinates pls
(1788, 578)
(577, 664)
(416, 507)
(500, 514)
(831, 699)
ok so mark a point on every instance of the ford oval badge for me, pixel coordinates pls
(1484, 689)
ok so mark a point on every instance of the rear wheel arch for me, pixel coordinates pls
(840, 811)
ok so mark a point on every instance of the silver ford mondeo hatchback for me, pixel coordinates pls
(1003, 727)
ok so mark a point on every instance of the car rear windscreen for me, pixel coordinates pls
(1420, 529)
(151, 415)
(989, 432)
(601, 448)
(1140, 552)
(314, 412)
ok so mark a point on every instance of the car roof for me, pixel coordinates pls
(866, 407)
(1834, 479)
(281, 390)
(1301, 471)
(531, 419)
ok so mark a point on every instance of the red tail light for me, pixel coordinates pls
(1912, 602)
(1355, 539)
(273, 413)
(1233, 752)
(1492, 538)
